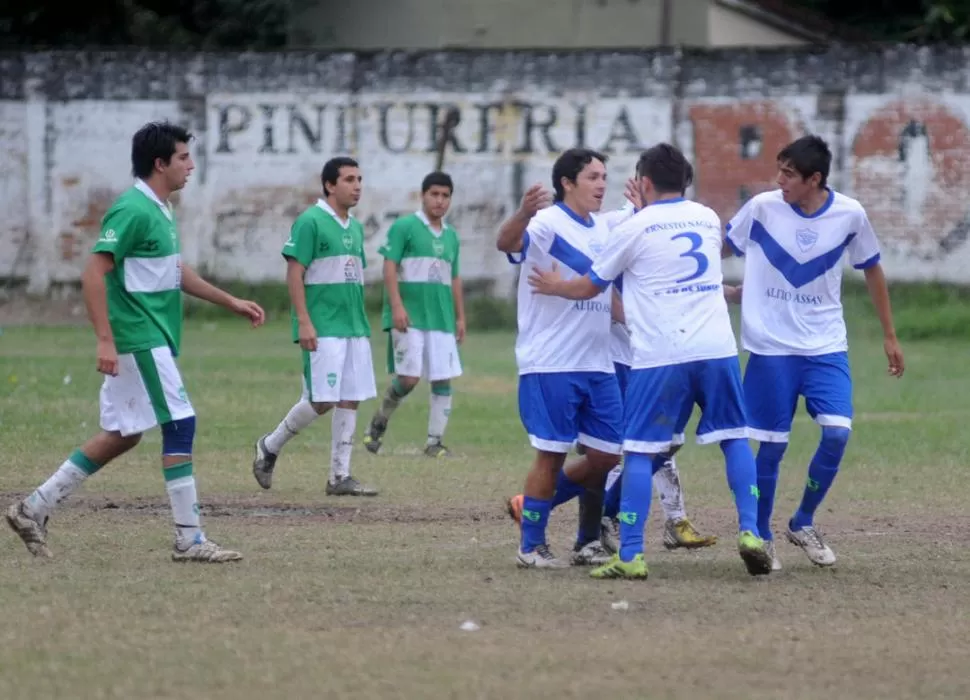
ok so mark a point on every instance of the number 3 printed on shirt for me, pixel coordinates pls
(695, 245)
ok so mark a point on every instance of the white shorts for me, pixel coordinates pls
(148, 391)
(340, 369)
(430, 355)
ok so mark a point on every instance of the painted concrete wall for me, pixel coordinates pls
(898, 121)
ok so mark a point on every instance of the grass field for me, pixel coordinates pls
(365, 599)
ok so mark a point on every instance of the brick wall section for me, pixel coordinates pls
(898, 119)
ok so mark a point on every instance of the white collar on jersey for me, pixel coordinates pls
(427, 222)
(143, 187)
(323, 204)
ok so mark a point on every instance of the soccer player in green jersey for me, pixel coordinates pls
(133, 285)
(424, 313)
(325, 274)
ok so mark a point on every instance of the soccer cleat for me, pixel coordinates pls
(349, 486)
(436, 449)
(204, 551)
(610, 534)
(636, 568)
(513, 506)
(375, 431)
(263, 464)
(754, 553)
(775, 561)
(811, 542)
(682, 534)
(33, 533)
(590, 554)
(540, 558)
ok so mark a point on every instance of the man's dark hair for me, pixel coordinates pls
(331, 171)
(569, 165)
(437, 178)
(807, 156)
(153, 141)
(667, 168)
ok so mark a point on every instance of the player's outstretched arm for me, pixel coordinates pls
(194, 285)
(512, 231)
(879, 293)
(96, 301)
(551, 283)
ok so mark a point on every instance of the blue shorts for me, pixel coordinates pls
(559, 408)
(659, 402)
(773, 383)
(622, 377)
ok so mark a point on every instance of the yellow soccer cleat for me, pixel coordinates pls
(681, 534)
(636, 568)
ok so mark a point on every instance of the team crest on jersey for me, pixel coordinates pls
(350, 271)
(438, 247)
(806, 239)
(348, 241)
(434, 272)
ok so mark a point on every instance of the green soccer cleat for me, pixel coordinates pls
(754, 552)
(617, 568)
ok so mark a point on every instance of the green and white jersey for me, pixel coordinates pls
(144, 290)
(427, 263)
(332, 251)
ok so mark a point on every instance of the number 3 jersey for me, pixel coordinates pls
(669, 255)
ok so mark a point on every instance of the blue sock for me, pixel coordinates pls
(611, 502)
(768, 463)
(742, 476)
(821, 474)
(634, 503)
(535, 517)
(566, 489)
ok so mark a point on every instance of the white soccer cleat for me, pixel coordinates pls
(205, 551)
(811, 542)
(540, 558)
(591, 554)
(775, 561)
(610, 534)
(33, 534)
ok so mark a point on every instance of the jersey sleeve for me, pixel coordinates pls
(538, 238)
(864, 248)
(616, 256)
(619, 216)
(299, 246)
(121, 231)
(738, 230)
(456, 265)
(397, 241)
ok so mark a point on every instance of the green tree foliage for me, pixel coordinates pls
(900, 20)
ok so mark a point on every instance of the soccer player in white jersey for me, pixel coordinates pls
(679, 531)
(133, 284)
(794, 240)
(684, 352)
(567, 385)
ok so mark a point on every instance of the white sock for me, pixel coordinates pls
(65, 481)
(299, 417)
(180, 484)
(343, 425)
(667, 483)
(438, 417)
(615, 473)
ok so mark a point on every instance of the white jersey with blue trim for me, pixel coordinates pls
(669, 255)
(791, 303)
(555, 334)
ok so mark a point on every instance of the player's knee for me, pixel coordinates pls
(404, 385)
(772, 452)
(835, 439)
(442, 388)
(178, 436)
(601, 461)
(349, 405)
(321, 407)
